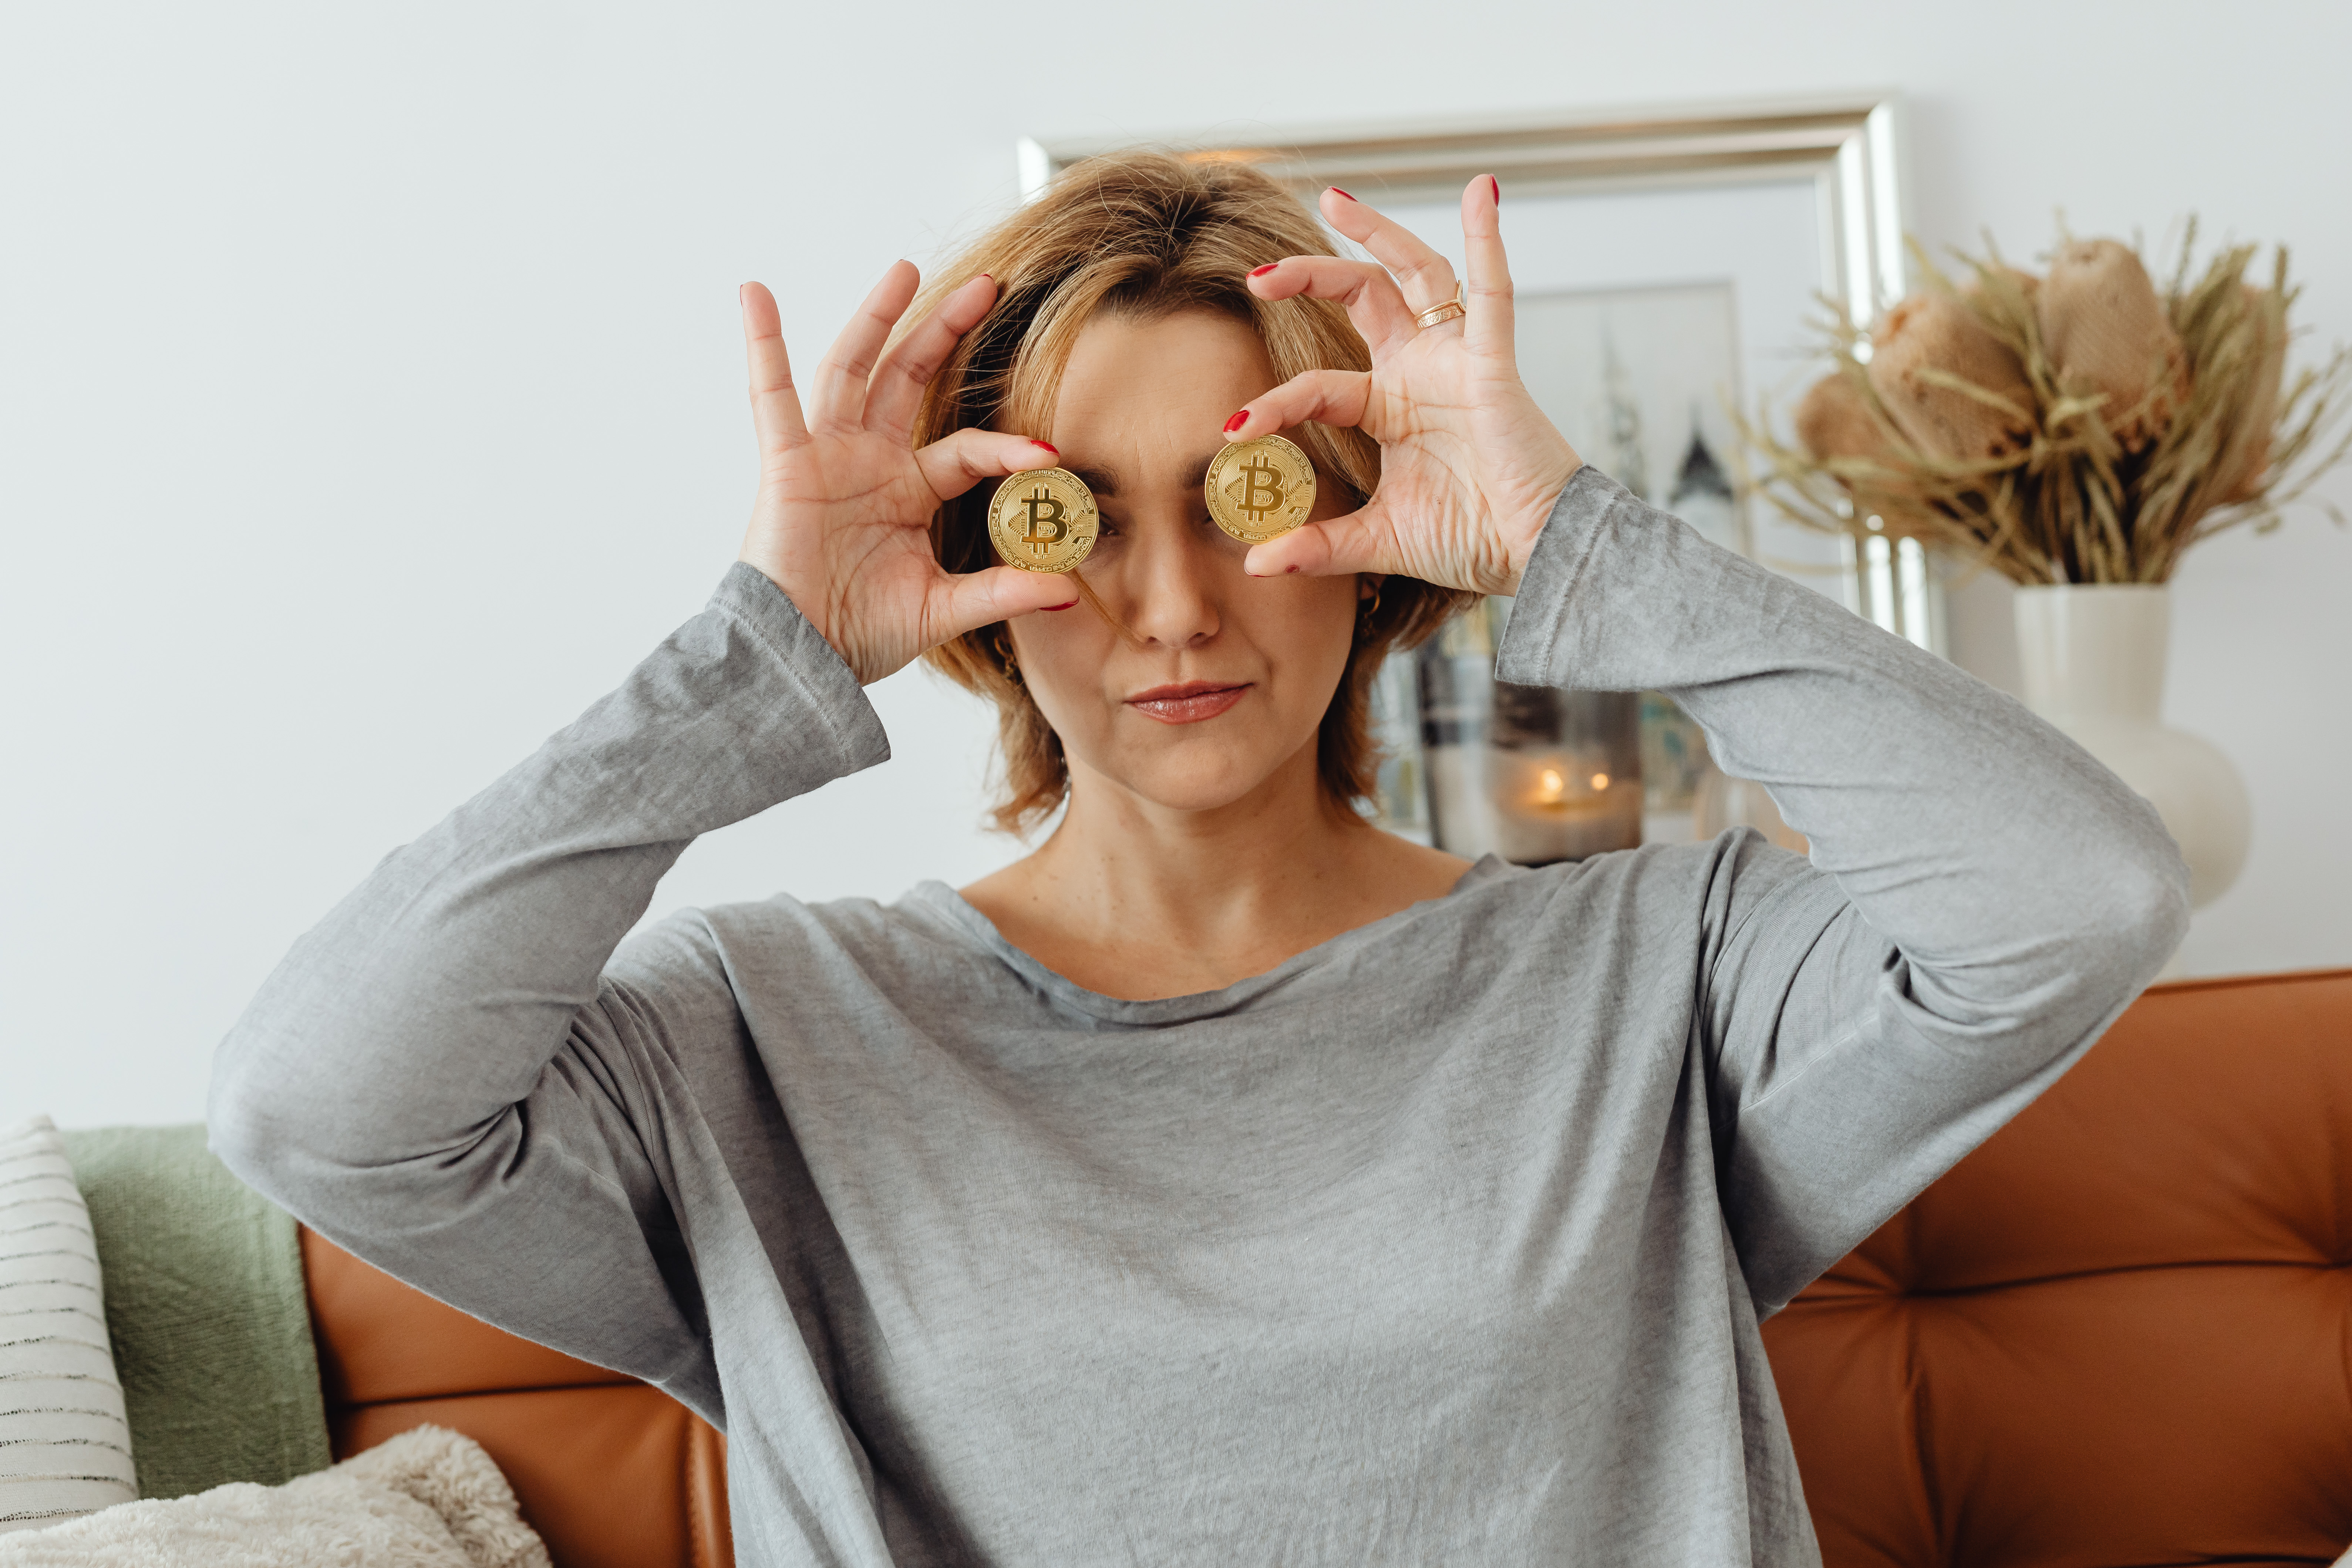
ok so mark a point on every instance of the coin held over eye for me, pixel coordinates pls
(1260, 489)
(1044, 520)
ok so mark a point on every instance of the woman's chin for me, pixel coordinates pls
(1199, 784)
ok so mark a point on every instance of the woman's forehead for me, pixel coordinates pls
(1151, 394)
(1193, 355)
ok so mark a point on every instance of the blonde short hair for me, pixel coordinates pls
(1144, 235)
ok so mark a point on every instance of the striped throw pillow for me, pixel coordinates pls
(65, 1447)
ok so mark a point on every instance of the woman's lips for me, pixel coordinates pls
(1188, 703)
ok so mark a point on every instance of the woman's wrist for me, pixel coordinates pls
(1545, 489)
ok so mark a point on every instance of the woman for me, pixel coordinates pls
(1226, 1181)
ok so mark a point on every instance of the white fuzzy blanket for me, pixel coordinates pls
(428, 1499)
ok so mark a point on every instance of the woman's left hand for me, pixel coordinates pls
(1469, 465)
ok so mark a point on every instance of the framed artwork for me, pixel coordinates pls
(1670, 264)
(1641, 382)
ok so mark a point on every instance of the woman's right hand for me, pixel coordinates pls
(842, 519)
(1470, 467)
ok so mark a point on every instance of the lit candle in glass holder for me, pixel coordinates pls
(1562, 785)
(1555, 804)
(1529, 774)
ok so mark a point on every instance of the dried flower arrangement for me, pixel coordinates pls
(2081, 426)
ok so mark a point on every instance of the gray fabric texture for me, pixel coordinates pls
(1445, 1241)
(207, 1310)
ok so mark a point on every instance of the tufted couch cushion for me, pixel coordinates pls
(2121, 1331)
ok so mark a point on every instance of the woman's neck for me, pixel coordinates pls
(1140, 900)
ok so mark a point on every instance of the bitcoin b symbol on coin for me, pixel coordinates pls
(1043, 520)
(1259, 490)
(1044, 511)
(1257, 479)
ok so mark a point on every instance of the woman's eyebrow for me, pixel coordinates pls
(1105, 481)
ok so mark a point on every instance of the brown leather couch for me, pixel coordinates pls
(612, 1473)
(2119, 1333)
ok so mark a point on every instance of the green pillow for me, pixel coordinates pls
(207, 1313)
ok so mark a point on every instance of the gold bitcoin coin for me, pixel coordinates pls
(1044, 520)
(1260, 489)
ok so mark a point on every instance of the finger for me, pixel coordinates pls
(1355, 541)
(957, 605)
(775, 406)
(955, 463)
(895, 395)
(1325, 396)
(1425, 276)
(850, 365)
(1487, 330)
(1370, 295)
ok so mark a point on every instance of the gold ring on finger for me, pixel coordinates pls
(1448, 311)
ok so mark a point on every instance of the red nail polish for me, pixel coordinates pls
(1071, 605)
(1342, 193)
(1497, 186)
(1294, 568)
(1236, 422)
(1047, 445)
(1262, 271)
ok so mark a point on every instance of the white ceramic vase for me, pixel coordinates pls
(2094, 664)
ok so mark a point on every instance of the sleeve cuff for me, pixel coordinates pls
(1540, 613)
(747, 596)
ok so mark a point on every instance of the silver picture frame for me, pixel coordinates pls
(1851, 146)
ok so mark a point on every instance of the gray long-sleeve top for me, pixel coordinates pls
(1445, 1241)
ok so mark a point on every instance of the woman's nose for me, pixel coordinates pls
(1175, 603)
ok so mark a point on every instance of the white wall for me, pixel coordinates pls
(370, 397)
